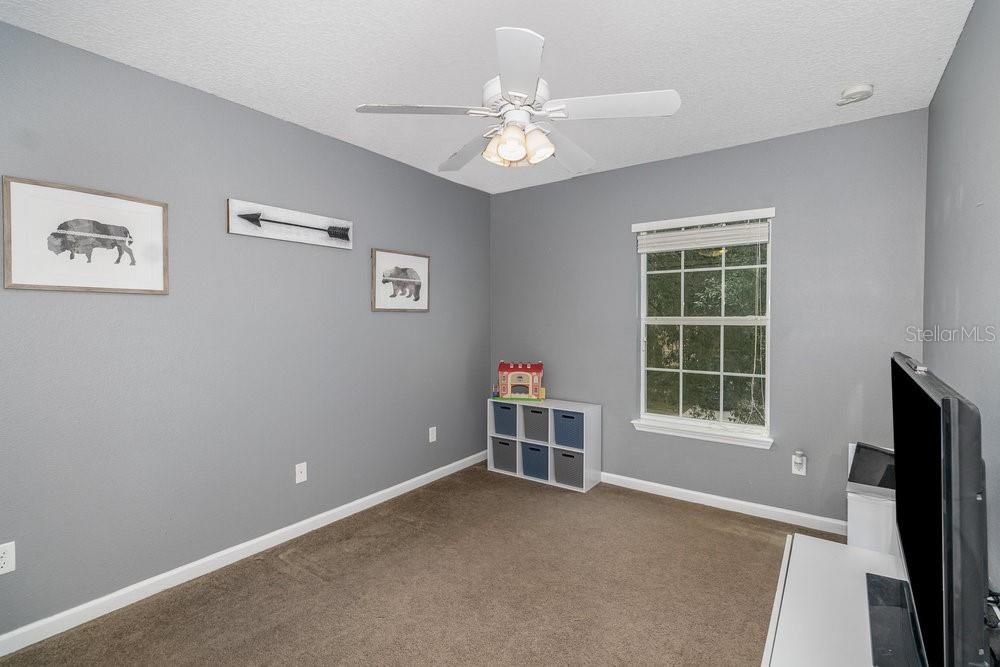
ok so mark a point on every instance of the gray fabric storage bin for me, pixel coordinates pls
(568, 467)
(505, 455)
(505, 418)
(536, 423)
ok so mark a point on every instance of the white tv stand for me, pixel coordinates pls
(820, 613)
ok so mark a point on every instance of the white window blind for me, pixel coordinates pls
(705, 237)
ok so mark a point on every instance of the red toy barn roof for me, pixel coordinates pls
(526, 367)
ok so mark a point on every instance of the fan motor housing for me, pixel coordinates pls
(494, 100)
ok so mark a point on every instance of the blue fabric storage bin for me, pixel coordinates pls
(568, 428)
(535, 461)
(505, 418)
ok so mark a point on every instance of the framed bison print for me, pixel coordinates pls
(59, 237)
(400, 281)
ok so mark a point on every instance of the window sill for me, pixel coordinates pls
(688, 428)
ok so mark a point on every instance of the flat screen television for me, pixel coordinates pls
(941, 513)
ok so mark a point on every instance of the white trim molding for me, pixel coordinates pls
(42, 629)
(814, 521)
(700, 220)
(699, 429)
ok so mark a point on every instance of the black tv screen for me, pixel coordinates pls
(940, 512)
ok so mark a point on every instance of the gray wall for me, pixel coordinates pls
(963, 232)
(848, 247)
(143, 432)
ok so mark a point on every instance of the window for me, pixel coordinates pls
(705, 327)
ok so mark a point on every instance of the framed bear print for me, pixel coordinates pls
(66, 238)
(400, 281)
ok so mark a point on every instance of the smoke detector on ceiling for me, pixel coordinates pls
(858, 93)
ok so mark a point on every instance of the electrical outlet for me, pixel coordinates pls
(432, 434)
(6, 558)
(300, 472)
(799, 460)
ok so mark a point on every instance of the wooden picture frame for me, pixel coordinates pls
(25, 198)
(400, 281)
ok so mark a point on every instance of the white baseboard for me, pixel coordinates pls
(813, 521)
(33, 632)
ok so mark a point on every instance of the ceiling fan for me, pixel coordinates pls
(518, 101)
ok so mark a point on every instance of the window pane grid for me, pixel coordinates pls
(722, 340)
(694, 372)
(749, 320)
(726, 390)
(699, 269)
(680, 376)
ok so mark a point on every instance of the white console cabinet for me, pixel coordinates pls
(820, 613)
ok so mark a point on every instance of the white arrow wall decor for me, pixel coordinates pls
(270, 222)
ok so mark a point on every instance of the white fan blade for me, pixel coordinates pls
(461, 157)
(568, 154)
(649, 103)
(422, 109)
(519, 53)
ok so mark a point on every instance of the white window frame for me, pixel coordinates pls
(688, 427)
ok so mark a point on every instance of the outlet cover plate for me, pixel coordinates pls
(7, 558)
(300, 472)
(432, 434)
(799, 467)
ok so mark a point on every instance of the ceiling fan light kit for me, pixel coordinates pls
(518, 102)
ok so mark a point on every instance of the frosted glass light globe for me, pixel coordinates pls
(512, 146)
(539, 147)
(490, 152)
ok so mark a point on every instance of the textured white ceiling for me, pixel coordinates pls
(746, 70)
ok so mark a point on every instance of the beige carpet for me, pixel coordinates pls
(477, 568)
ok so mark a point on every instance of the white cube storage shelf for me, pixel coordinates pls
(551, 441)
